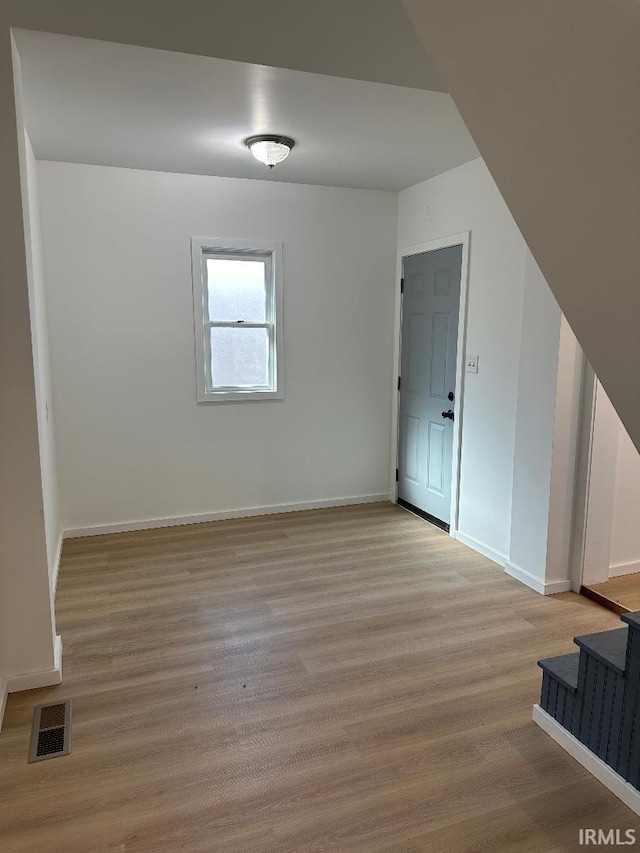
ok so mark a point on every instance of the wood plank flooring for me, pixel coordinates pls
(623, 591)
(344, 680)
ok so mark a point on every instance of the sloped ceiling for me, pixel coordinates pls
(360, 39)
(550, 91)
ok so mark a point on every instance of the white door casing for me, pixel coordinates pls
(430, 308)
(461, 240)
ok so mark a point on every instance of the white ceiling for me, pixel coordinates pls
(97, 102)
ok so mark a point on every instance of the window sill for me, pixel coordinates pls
(239, 396)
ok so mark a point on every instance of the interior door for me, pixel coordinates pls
(430, 310)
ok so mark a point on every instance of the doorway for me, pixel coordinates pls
(607, 544)
(429, 382)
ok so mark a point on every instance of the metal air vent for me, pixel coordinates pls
(51, 731)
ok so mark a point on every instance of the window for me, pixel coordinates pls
(237, 301)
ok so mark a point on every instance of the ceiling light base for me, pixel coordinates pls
(269, 148)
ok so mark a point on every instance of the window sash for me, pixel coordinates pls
(271, 357)
(257, 255)
(269, 324)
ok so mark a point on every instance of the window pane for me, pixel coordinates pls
(239, 357)
(237, 290)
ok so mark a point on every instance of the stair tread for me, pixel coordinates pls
(609, 647)
(632, 619)
(564, 668)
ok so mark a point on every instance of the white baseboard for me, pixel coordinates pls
(149, 524)
(56, 565)
(624, 569)
(543, 587)
(524, 577)
(594, 765)
(480, 547)
(34, 680)
(3, 699)
(554, 587)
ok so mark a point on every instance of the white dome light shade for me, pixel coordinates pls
(269, 149)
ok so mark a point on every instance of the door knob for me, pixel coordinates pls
(448, 414)
(450, 396)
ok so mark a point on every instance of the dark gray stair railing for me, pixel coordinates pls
(595, 695)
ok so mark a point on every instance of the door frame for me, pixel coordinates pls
(462, 239)
(594, 499)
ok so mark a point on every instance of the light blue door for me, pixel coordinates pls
(430, 310)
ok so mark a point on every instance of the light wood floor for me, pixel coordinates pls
(623, 590)
(344, 680)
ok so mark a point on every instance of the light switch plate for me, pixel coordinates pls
(472, 363)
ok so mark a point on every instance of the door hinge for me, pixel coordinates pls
(397, 475)
(402, 285)
(399, 382)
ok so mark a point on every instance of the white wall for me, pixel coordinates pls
(600, 484)
(564, 521)
(27, 632)
(133, 443)
(464, 199)
(534, 429)
(625, 534)
(42, 370)
(519, 440)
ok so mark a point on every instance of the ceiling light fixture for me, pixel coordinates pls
(269, 149)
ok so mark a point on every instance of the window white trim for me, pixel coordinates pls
(272, 252)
